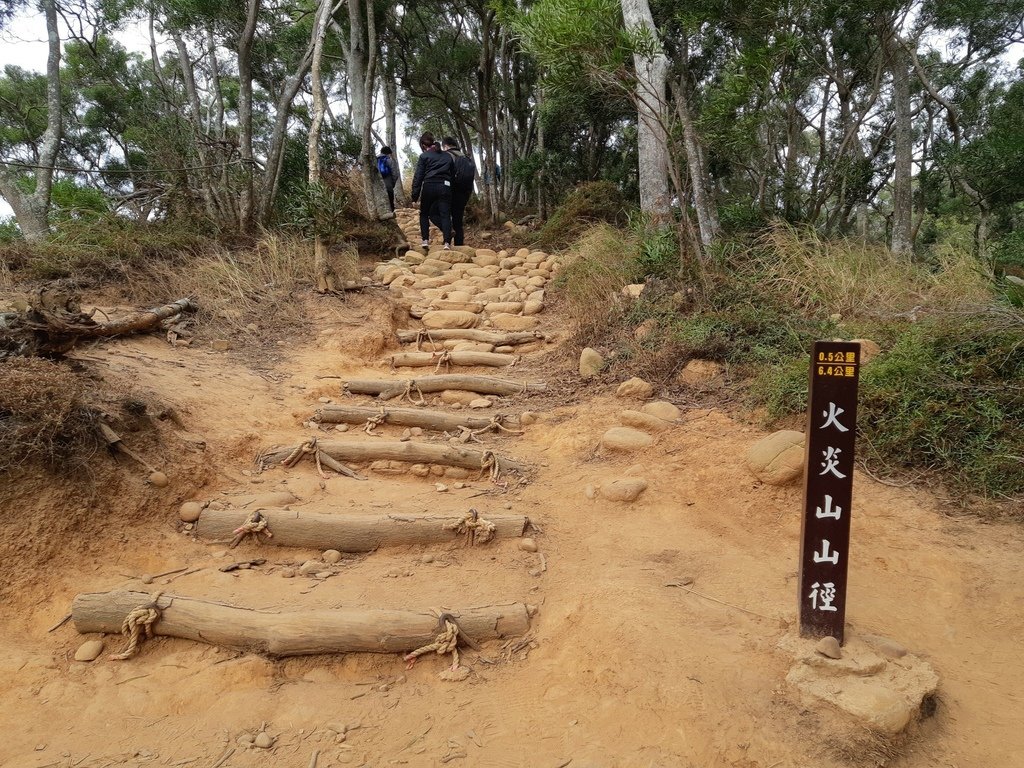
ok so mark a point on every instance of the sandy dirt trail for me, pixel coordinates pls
(622, 671)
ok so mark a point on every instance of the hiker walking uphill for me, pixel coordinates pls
(386, 169)
(462, 186)
(432, 186)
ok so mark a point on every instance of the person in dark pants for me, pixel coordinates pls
(386, 169)
(432, 186)
(462, 186)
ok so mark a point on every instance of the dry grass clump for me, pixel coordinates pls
(857, 279)
(44, 415)
(235, 287)
(597, 266)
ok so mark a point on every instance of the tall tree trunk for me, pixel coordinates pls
(31, 210)
(204, 173)
(217, 123)
(247, 198)
(360, 50)
(901, 243)
(275, 152)
(484, 78)
(790, 180)
(652, 138)
(313, 146)
(391, 133)
(541, 175)
(703, 195)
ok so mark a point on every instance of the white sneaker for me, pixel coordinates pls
(447, 247)
(425, 244)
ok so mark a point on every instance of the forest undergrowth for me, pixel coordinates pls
(943, 400)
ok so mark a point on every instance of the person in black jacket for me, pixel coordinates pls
(432, 186)
(462, 186)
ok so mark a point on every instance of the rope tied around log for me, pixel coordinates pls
(255, 525)
(496, 424)
(409, 385)
(421, 334)
(307, 448)
(474, 528)
(138, 626)
(375, 421)
(489, 466)
(447, 641)
(445, 359)
(320, 458)
(300, 450)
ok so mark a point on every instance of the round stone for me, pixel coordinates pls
(829, 646)
(778, 459)
(158, 480)
(89, 650)
(623, 489)
(331, 556)
(635, 388)
(626, 439)
(662, 410)
(263, 740)
(189, 511)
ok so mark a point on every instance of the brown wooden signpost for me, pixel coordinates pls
(828, 487)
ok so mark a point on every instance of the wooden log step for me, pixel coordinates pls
(461, 357)
(436, 421)
(346, 532)
(410, 451)
(386, 389)
(470, 334)
(294, 633)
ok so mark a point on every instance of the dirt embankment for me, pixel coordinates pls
(621, 667)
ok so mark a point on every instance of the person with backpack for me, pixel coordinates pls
(386, 169)
(432, 186)
(462, 186)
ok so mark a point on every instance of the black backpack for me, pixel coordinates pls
(465, 172)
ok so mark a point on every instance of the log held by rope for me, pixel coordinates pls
(436, 421)
(412, 452)
(295, 633)
(358, 532)
(448, 358)
(387, 389)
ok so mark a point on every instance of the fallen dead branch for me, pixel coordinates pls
(412, 452)
(387, 389)
(293, 633)
(436, 421)
(55, 322)
(350, 532)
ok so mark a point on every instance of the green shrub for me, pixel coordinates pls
(947, 394)
(658, 254)
(102, 248)
(1008, 254)
(588, 204)
(9, 231)
(950, 395)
